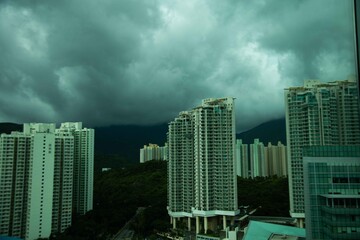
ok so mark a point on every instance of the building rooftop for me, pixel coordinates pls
(268, 231)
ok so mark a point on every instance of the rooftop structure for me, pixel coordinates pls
(268, 231)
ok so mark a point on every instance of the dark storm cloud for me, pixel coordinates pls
(141, 62)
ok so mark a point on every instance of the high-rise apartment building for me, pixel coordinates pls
(83, 169)
(181, 165)
(202, 168)
(26, 181)
(242, 159)
(63, 181)
(262, 161)
(153, 152)
(36, 181)
(275, 159)
(257, 159)
(317, 114)
(332, 187)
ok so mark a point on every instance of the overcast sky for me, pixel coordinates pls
(143, 61)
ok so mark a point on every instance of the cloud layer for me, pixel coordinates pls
(141, 62)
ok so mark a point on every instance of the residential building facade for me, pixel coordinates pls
(317, 114)
(275, 159)
(202, 165)
(83, 168)
(242, 159)
(263, 161)
(63, 182)
(181, 182)
(153, 152)
(36, 181)
(26, 181)
(257, 159)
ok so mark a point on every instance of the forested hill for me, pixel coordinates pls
(117, 195)
(271, 131)
(118, 146)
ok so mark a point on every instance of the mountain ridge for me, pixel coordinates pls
(125, 141)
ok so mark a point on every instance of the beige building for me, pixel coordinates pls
(275, 159)
(257, 159)
(153, 152)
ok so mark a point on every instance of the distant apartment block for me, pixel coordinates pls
(332, 192)
(317, 114)
(276, 159)
(153, 152)
(242, 159)
(37, 181)
(257, 159)
(262, 161)
(201, 166)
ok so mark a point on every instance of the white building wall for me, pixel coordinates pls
(36, 178)
(153, 152)
(142, 155)
(63, 182)
(40, 191)
(242, 159)
(257, 159)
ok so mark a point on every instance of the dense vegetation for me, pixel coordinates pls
(119, 192)
(271, 193)
(117, 195)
